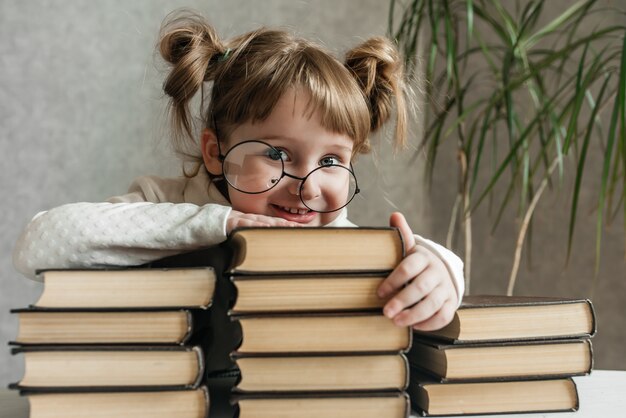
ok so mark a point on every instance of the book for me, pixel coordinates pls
(502, 361)
(321, 333)
(503, 318)
(71, 327)
(431, 398)
(129, 288)
(317, 249)
(96, 368)
(355, 405)
(299, 293)
(157, 404)
(323, 373)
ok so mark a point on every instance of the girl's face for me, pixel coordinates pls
(304, 145)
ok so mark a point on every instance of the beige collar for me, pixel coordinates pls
(199, 190)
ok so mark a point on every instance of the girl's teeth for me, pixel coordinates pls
(294, 210)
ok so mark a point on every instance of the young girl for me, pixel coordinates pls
(283, 125)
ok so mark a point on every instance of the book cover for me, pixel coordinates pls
(221, 335)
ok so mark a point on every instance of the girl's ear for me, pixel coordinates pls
(210, 152)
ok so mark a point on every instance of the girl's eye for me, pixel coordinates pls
(277, 154)
(329, 160)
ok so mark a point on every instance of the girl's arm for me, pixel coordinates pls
(91, 235)
(157, 218)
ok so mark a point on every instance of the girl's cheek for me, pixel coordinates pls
(246, 203)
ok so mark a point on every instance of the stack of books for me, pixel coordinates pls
(121, 343)
(314, 341)
(503, 355)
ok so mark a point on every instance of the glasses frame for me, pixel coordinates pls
(222, 158)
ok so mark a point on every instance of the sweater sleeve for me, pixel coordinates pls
(452, 262)
(93, 235)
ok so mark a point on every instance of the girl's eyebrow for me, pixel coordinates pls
(270, 138)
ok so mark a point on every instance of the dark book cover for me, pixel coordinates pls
(220, 335)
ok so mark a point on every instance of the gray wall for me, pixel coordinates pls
(81, 109)
(81, 115)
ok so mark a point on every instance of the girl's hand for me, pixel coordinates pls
(238, 219)
(420, 287)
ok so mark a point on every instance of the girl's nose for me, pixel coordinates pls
(293, 186)
(295, 176)
(310, 189)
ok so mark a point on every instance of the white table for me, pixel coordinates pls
(602, 395)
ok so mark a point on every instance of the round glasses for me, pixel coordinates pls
(255, 167)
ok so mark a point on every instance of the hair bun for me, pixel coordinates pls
(188, 33)
(189, 43)
(377, 66)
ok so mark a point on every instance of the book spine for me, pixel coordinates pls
(207, 401)
(201, 366)
(190, 327)
(594, 324)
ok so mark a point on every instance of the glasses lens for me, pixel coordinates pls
(253, 167)
(328, 188)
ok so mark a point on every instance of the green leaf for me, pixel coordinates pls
(470, 19)
(579, 171)
(556, 23)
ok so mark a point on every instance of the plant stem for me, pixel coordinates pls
(521, 236)
(453, 219)
(467, 217)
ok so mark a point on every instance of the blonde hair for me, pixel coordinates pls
(251, 72)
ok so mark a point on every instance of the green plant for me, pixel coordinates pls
(522, 93)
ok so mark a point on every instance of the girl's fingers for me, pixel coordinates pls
(399, 221)
(424, 310)
(414, 292)
(442, 318)
(239, 219)
(410, 267)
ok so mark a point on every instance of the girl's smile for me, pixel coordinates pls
(300, 215)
